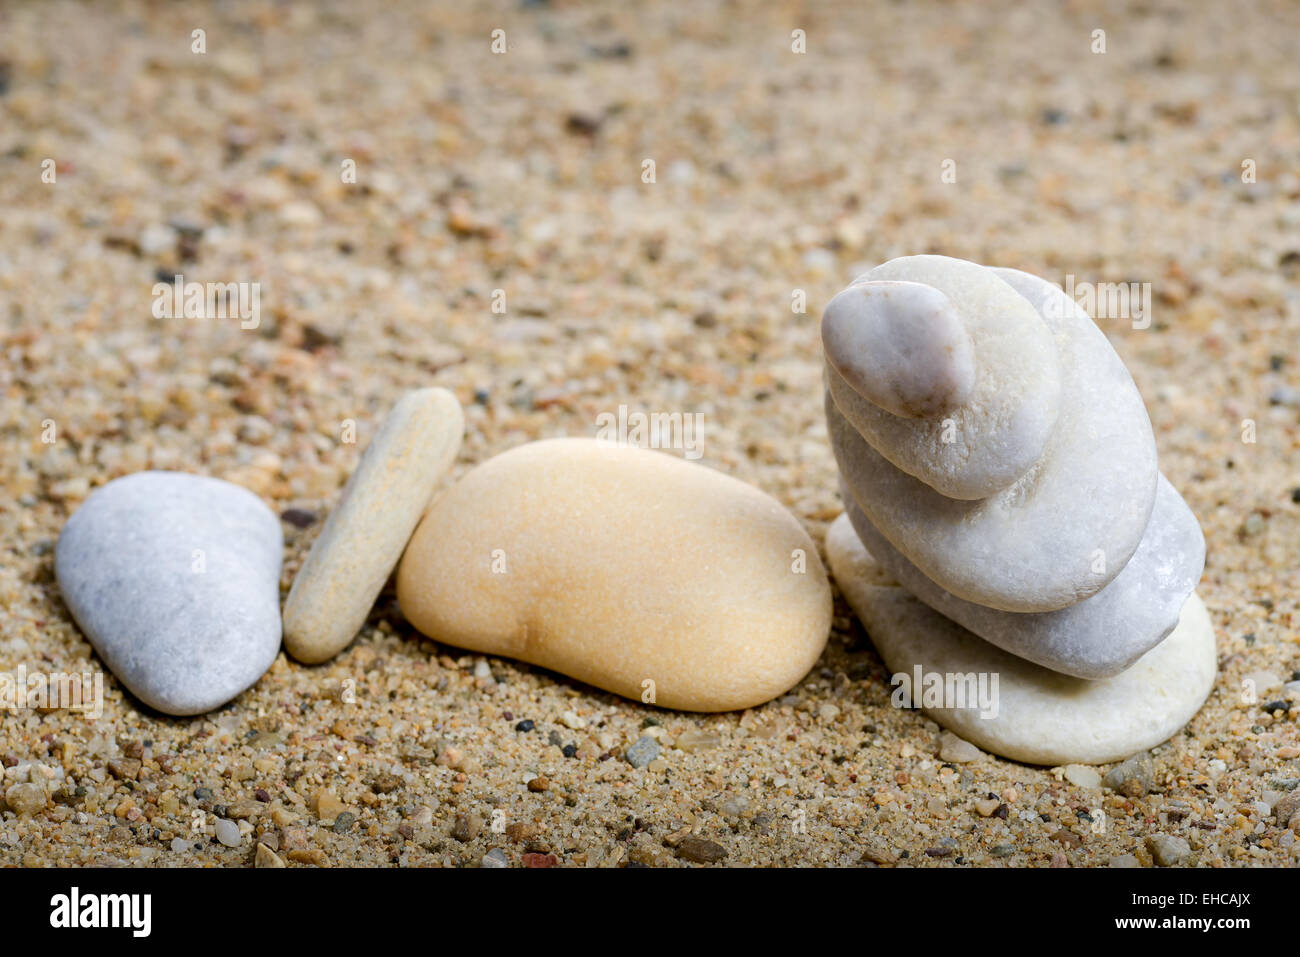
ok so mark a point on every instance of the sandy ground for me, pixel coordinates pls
(522, 171)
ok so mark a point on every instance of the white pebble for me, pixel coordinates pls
(1083, 776)
(227, 832)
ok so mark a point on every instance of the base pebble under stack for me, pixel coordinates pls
(997, 462)
(1039, 716)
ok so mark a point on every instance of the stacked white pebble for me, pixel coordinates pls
(998, 463)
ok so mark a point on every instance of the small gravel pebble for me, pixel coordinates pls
(945, 848)
(693, 740)
(1131, 778)
(877, 853)
(1083, 776)
(124, 769)
(734, 806)
(243, 810)
(1287, 807)
(1168, 851)
(701, 851)
(227, 832)
(25, 799)
(1067, 837)
(494, 858)
(327, 805)
(522, 832)
(298, 517)
(466, 827)
(1285, 395)
(642, 752)
(955, 750)
(266, 857)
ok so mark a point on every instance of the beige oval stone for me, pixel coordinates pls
(627, 569)
(364, 536)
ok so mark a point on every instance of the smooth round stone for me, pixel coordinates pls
(365, 534)
(175, 580)
(1099, 636)
(1042, 716)
(1003, 424)
(631, 570)
(901, 345)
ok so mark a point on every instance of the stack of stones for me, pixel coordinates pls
(1006, 526)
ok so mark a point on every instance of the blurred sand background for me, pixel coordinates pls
(522, 171)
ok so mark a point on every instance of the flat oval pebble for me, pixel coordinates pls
(628, 569)
(175, 580)
(1041, 716)
(1099, 636)
(363, 537)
